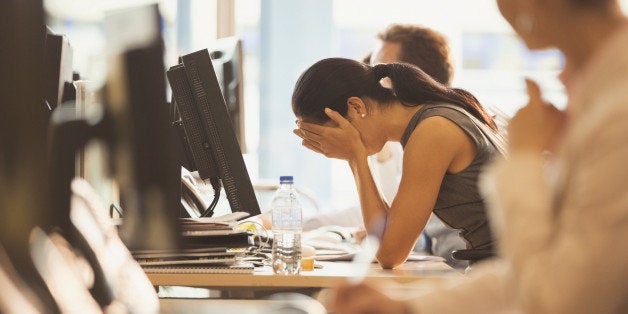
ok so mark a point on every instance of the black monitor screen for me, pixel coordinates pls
(57, 70)
(209, 131)
(226, 57)
(145, 167)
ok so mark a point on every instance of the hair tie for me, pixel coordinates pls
(380, 71)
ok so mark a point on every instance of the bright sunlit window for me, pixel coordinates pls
(490, 62)
(282, 38)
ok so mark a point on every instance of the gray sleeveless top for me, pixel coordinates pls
(459, 204)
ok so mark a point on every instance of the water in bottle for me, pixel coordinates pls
(286, 211)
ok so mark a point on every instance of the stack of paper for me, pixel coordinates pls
(209, 245)
(204, 256)
(214, 232)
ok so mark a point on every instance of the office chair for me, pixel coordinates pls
(472, 255)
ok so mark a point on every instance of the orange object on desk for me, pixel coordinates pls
(307, 264)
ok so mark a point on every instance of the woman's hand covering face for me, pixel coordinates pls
(341, 141)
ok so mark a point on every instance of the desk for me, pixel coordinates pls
(329, 276)
(240, 306)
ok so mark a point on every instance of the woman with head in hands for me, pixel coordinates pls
(343, 111)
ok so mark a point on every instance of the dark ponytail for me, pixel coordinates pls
(330, 82)
(412, 87)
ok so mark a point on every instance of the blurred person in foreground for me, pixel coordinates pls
(558, 216)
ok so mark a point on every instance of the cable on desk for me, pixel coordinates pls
(260, 236)
(215, 182)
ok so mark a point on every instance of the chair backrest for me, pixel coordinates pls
(472, 255)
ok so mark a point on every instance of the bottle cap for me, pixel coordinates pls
(285, 179)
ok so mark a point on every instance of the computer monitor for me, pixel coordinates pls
(145, 167)
(210, 135)
(227, 58)
(23, 161)
(58, 76)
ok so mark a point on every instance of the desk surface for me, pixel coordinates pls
(330, 275)
(241, 306)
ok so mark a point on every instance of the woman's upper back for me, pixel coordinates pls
(459, 203)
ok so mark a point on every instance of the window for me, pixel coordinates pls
(282, 38)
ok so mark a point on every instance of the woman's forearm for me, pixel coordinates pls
(373, 204)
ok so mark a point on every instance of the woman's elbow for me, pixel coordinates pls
(388, 261)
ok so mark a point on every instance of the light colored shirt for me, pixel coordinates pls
(562, 226)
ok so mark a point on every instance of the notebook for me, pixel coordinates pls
(181, 255)
(239, 239)
(171, 252)
(240, 268)
(203, 261)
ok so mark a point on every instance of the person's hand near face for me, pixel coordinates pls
(341, 141)
(536, 127)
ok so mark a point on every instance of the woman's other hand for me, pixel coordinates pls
(537, 126)
(341, 141)
(363, 298)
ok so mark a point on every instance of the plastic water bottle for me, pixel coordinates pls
(286, 228)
